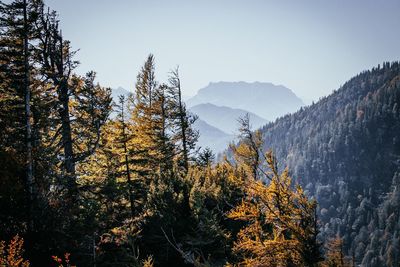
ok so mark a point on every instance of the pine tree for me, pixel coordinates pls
(151, 126)
(90, 108)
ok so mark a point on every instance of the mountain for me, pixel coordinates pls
(345, 151)
(264, 99)
(215, 124)
(212, 137)
(115, 93)
(225, 118)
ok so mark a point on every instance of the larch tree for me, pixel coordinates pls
(151, 125)
(281, 226)
(247, 153)
(123, 139)
(142, 115)
(335, 255)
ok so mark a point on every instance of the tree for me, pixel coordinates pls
(161, 127)
(11, 255)
(124, 141)
(205, 158)
(56, 65)
(48, 113)
(16, 34)
(29, 175)
(80, 107)
(335, 255)
(247, 153)
(90, 108)
(184, 136)
(280, 223)
(142, 121)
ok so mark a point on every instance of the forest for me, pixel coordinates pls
(87, 180)
(345, 151)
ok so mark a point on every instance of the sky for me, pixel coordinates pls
(312, 47)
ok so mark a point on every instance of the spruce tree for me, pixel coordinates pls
(184, 136)
(80, 106)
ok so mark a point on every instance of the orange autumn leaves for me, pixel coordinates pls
(11, 253)
(63, 262)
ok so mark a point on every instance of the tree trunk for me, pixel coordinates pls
(128, 175)
(128, 171)
(183, 129)
(66, 132)
(28, 115)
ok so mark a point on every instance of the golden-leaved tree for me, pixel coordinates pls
(280, 225)
(334, 256)
(11, 253)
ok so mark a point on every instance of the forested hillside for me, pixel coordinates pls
(345, 151)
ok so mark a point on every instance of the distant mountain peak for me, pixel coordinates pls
(115, 93)
(265, 99)
(214, 120)
(211, 136)
(225, 118)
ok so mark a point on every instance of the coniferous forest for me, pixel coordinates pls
(88, 180)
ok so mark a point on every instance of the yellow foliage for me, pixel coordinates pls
(149, 262)
(280, 221)
(335, 256)
(11, 254)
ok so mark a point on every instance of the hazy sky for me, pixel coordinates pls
(312, 47)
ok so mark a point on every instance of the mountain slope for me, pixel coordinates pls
(264, 99)
(211, 137)
(225, 118)
(345, 151)
(115, 93)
